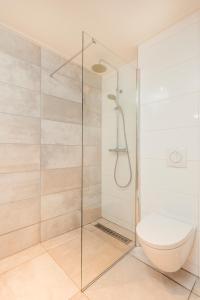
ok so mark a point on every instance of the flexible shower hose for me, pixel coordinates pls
(127, 151)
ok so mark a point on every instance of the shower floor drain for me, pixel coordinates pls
(113, 233)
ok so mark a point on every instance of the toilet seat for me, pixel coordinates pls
(161, 232)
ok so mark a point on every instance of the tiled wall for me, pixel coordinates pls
(118, 203)
(40, 144)
(19, 143)
(170, 99)
(92, 148)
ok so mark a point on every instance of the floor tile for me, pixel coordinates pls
(182, 277)
(194, 297)
(79, 296)
(39, 279)
(68, 257)
(62, 239)
(15, 260)
(196, 289)
(100, 251)
(131, 279)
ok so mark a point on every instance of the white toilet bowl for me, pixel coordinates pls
(166, 242)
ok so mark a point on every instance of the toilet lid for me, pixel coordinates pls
(162, 232)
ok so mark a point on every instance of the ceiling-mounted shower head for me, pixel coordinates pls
(99, 68)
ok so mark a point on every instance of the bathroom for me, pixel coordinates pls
(99, 150)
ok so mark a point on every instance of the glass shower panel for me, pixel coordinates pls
(109, 153)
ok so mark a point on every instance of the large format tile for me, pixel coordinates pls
(99, 252)
(40, 279)
(18, 240)
(91, 136)
(194, 297)
(182, 277)
(91, 214)
(19, 186)
(54, 205)
(91, 175)
(91, 155)
(196, 289)
(59, 225)
(92, 195)
(92, 79)
(92, 98)
(17, 129)
(61, 87)
(59, 180)
(19, 214)
(177, 44)
(14, 44)
(163, 115)
(91, 118)
(171, 82)
(57, 109)
(21, 257)
(131, 279)
(61, 133)
(177, 138)
(19, 72)
(59, 156)
(51, 61)
(68, 256)
(20, 101)
(62, 239)
(79, 296)
(179, 180)
(19, 158)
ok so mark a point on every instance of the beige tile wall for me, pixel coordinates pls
(92, 149)
(40, 145)
(61, 152)
(19, 143)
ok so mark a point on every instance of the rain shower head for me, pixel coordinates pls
(99, 68)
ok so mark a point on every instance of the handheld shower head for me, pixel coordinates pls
(112, 97)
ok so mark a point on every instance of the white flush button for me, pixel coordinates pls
(177, 158)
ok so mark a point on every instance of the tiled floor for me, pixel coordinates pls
(131, 279)
(51, 271)
(182, 277)
(99, 250)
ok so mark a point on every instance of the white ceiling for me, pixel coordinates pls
(120, 24)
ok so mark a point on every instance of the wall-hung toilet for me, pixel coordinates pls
(166, 242)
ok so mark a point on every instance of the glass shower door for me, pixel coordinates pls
(108, 158)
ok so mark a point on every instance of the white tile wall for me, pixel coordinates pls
(170, 107)
(118, 203)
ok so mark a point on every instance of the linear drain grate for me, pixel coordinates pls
(113, 233)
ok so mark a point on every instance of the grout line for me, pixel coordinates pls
(23, 263)
(107, 269)
(155, 72)
(157, 271)
(19, 229)
(145, 131)
(170, 99)
(18, 86)
(65, 273)
(20, 115)
(192, 290)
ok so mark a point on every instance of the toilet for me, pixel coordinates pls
(165, 241)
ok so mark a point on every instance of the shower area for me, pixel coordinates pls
(67, 160)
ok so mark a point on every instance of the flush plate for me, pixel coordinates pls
(177, 158)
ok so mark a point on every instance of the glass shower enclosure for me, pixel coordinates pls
(108, 159)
